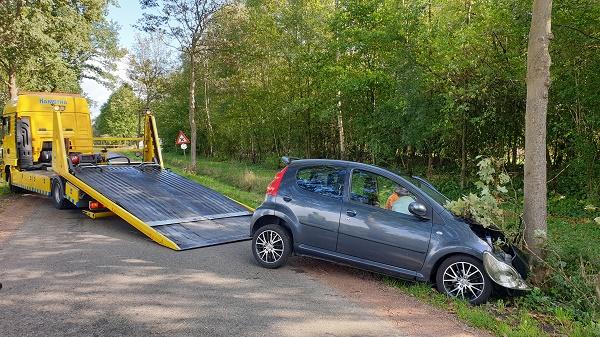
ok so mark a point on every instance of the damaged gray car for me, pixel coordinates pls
(371, 218)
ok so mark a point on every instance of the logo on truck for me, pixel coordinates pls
(53, 101)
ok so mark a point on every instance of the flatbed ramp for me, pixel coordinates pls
(189, 214)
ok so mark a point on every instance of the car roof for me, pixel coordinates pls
(335, 162)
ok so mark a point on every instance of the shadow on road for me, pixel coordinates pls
(66, 275)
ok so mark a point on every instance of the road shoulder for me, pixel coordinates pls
(407, 313)
(13, 213)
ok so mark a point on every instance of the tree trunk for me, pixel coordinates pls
(12, 84)
(514, 151)
(430, 165)
(538, 82)
(206, 108)
(463, 152)
(340, 125)
(192, 110)
(340, 117)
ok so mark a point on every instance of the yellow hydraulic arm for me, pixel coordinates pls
(152, 151)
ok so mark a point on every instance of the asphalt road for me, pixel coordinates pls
(67, 275)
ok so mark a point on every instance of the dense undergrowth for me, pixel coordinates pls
(566, 303)
(3, 188)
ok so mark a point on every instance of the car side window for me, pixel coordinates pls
(378, 191)
(325, 180)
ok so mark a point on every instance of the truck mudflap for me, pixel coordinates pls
(187, 213)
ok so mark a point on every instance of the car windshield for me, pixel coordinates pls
(428, 189)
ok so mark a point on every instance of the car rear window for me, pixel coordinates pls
(324, 180)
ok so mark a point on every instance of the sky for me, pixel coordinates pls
(126, 15)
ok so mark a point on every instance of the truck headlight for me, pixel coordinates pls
(502, 273)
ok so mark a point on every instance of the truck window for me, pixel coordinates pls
(5, 126)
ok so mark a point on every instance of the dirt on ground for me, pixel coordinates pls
(13, 214)
(409, 314)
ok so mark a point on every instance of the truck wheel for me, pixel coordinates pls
(58, 195)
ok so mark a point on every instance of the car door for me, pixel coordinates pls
(370, 231)
(314, 195)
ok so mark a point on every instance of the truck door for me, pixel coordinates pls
(24, 150)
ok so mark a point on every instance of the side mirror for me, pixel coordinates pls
(418, 209)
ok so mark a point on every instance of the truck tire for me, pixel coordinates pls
(58, 194)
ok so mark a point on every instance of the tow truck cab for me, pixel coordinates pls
(27, 135)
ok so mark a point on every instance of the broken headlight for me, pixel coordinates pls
(503, 273)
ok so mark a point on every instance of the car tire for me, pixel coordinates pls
(58, 195)
(464, 277)
(271, 246)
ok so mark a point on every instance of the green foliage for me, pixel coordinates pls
(485, 207)
(412, 79)
(119, 115)
(572, 261)
(52, 45)
(4, 190)
(575, 265)
(149, 63)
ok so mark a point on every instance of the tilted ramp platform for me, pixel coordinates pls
(187, 213)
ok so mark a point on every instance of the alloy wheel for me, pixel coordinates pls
(269, 246)
(463, 280)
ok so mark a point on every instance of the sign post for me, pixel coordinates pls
(182, 141)
(183, 147)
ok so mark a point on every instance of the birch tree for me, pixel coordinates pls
(538, 83)
(149, 63)
(184, 22)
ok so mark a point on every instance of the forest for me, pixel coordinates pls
(418, 85)
(421, 86)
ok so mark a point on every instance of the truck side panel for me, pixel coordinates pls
(34, 181)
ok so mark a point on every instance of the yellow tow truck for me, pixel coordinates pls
(48, 148)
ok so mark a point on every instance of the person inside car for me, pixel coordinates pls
(399, 200)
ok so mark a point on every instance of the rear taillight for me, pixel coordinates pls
(273, 187)
(75, 159)
(94, 205)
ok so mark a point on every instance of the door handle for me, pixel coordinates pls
(351, 212)
(287, 198)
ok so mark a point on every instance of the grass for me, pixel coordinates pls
(4, 190)
(494, 316)
(241, 181)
